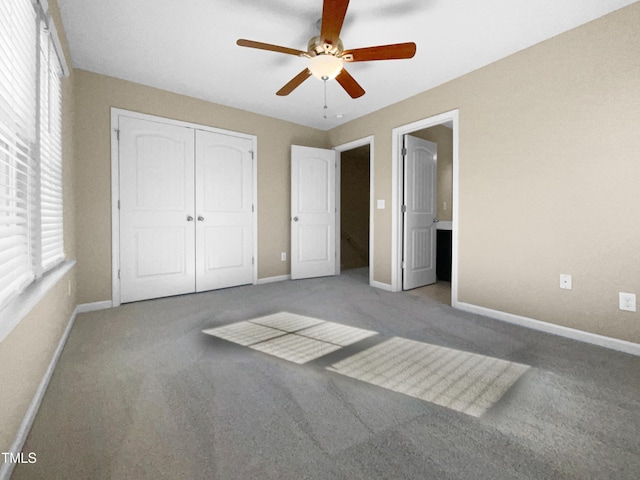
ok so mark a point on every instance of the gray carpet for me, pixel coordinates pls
(141, 393)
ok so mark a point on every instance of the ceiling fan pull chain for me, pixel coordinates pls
(324, 79)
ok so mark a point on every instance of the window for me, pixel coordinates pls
(31, 235)
(50, 122)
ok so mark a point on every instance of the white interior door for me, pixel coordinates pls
(420, 175)
(224, 211)
(313, 212)
(156, 209)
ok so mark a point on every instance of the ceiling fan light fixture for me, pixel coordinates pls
(325, 66)
(326, 53)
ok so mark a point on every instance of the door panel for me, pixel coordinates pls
(148, 263)
(156, 195)
(221, 169)
(315, 239)
(420, 175)
(313, 212)
(224, 247)
(160, 166)
(313, 179)
(224, 206)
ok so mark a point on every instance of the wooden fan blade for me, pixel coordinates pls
(333, 13)
(349, 83)
(294, 83)
(267, 46)
(383, 52)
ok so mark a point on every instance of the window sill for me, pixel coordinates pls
(20, 307)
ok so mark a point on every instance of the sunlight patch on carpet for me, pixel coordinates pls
(336, 333)
(244, 333)
(295, 348)
(455, 379)
(292, 337)
(288, 322)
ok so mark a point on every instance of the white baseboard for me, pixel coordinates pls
(92, 307)
(593, 338)
(279, 278)
(6, 468)
(381, 286)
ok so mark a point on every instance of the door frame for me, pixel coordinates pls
(115, 187)
(343, 148)
(397, 188)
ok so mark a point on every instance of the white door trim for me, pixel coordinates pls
(343, 148)
(396, 197)
(115, 188)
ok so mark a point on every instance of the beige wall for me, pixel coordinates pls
(26, 352)
(443, 137)
(96, 94)
(548, 176)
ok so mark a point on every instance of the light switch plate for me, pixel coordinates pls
(565, 281)
(380, 204)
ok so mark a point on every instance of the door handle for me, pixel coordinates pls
(189, 218)
(295, 219)
(435, 220)
(200, 218)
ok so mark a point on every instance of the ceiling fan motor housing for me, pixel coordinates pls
(317, 46)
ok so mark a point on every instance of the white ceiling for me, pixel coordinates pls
(188, 46)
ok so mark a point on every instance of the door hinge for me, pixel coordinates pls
(253, 260)
(118, 204)
(404, 209)
(404, 264)
(118, 273)
(117, 134)
(253, 208)
(251, 152)
(404, 151)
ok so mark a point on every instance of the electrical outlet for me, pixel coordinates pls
(565, 281)
(627, 301)
(283, 256)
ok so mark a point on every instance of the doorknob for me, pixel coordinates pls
(200, 218)
(189, 218)
(295, 219)
(435, 220)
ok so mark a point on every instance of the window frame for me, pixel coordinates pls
(44, 66)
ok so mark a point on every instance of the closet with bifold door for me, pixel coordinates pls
(186, 214)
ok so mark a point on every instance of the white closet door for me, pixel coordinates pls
(157, 237)
(313, 212)
(224, 211)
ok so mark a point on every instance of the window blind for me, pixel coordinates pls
(31, 214)
(18, 36)
(50, 133)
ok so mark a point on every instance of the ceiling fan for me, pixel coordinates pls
(326, 54)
